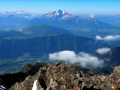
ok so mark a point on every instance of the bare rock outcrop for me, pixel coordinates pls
(61, 76)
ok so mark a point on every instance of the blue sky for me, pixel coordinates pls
(72, 6)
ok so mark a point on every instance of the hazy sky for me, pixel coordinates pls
(72, 6)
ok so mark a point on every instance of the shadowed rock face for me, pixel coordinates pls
(53, 76)
(61, 76)
(8, 80)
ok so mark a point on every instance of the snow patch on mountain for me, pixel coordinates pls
(34, 85)
(58, 14)
(16, 12)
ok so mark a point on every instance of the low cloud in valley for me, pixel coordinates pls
(86, 60)
(108, 38)
(103, 50)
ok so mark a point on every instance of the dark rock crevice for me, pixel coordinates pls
(11, 79)
(42, 83)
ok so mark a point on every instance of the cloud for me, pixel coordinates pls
(26, 56)
(108, 38)
(103, 50)
(86, 60)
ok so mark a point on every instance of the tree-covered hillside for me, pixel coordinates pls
(44, 30)
(38, 46)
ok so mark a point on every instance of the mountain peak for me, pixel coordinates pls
(60, 14)
(91, 17)
(21, 12)
(61, 11)
(70, 78)
(16, 12)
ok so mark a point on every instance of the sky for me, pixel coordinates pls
(72, 6)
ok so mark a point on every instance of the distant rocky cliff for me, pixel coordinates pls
(59, 76)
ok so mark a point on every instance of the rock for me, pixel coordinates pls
(2, 85)
(32, 69)
(11, 79)
(53, 76)
(25, 85)
(61, 76)
(117, 69)
(53, 84)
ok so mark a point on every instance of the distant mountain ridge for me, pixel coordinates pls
(58, 18)
(39, 46)
(20, 13)
(45, 30)
(114, 56)
(11, 33)
(63, 19)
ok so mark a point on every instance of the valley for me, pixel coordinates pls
(50, 33)
(59, 45)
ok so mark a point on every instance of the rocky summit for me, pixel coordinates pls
(59, 76)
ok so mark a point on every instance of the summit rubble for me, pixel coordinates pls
(59, 76)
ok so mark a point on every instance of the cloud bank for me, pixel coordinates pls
(86, 60)
(103, 50)
(108, 38)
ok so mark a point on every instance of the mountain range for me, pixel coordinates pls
(13, 47)
(52, 32)
(20, 13)
(45, 30)
(60, 18)
(63, 19)
(10, 33)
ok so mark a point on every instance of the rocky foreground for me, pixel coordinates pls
(58, 76)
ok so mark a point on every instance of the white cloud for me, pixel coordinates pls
(99, 37)
(108, 38)
(86, 60)
(103, 50)
(26, 56)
